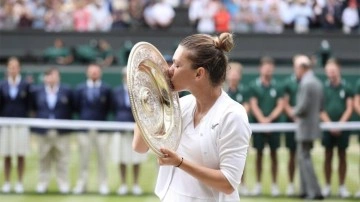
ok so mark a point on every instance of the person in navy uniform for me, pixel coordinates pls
(123, 153)
(93, 102)
(14, 141)
(53, 100)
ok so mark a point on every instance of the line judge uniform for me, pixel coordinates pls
(93, 102)
(15, 102)
(54, 144)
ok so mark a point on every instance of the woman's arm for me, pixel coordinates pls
(139, 144)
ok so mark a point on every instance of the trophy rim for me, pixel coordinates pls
(135, 111)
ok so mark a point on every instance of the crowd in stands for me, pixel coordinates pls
(206, 16)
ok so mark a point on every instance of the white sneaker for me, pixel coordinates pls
(326, 191)
(6, 188)
(123, 190)
(243, 190)
(357, 195)
(257, 190)
(64, 189)
(41, 188)
(290, 190)
(275, 190)
(137, 190)
(343, 192)
(103, 189)
(79, 188)
(19, 188)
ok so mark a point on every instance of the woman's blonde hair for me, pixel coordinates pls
(209, 52)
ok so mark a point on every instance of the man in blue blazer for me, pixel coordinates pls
(93, 102)
(53, 100)
(122, 140)
(14, 140)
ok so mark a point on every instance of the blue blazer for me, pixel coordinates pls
(20, 105)
(122, 112)
(96, 110)
(63, 108)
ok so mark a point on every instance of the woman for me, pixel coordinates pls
(211, 156)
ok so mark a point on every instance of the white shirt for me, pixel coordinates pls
(13, 86)
(51, 95)
(92, 84)
(220, 141)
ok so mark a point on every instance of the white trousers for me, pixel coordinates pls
(86, 142)
(54, 149)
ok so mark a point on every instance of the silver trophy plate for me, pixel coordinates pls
(154, 105)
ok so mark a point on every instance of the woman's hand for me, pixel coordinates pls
(169, 158)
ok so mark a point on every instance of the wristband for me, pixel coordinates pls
(182, 159)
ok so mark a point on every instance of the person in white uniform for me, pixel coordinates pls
(210, 159)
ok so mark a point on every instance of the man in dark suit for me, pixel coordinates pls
(123, 152)
(309, 103)
(15, 102)
(93, 102)
(53, 101)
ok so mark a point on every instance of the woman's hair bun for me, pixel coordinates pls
(224, 42)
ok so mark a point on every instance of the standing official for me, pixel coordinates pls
(53, 100)
(357, 110)
(338, 98)
(290, 89)
(266, 106)
(15, 102)
(93, 102)
(309, 103)
(123, 153)
(240, 93)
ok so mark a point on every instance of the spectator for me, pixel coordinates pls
(58, 53)
(100, 17)
(124, 155)
(106, 54)
(302, 16)
(259, 16)
(273, 20)
(309, 102)
(222, 20)
(195, 11)
(266, 106)
(55, 18)
(206, 21)
(338, 108)
(331, 15)
(136, 9)
(286, 9)
(240, 93)
(121, 17)
(39, 11)
(87, 53)
(82, 17)
(26, 16)
(93, 101)
(158, 14)
(290, 89)
(52, 100)
(350, 17)
(15, 102)
(8, 16)
(244, 20)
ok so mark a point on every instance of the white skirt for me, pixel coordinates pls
(122, 149)
(14, 140)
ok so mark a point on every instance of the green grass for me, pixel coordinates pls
(148, 177)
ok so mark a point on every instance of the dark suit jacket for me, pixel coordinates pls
(122, 112)
(63, 108)
(20, 105)
(96, 110)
